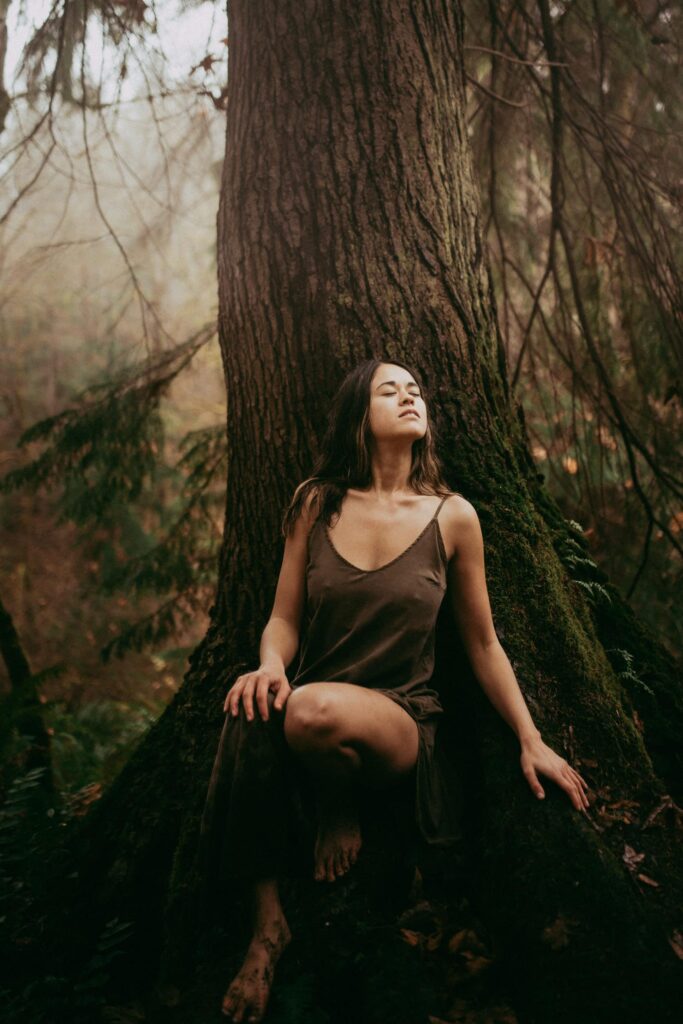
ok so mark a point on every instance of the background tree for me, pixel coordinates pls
(111, 526)
(586, 267)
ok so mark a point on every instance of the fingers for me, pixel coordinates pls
(282, 696)
(233, 697)
(256, 686)
(571, 787)
(532, 779)
(234, 694)
(561, 772)
(262, 690)
(581, 787)
(248, 697)
(571, 781)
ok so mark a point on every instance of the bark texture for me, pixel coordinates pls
(20, 710)
(349, 226)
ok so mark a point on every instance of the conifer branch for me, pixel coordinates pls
(106, 444)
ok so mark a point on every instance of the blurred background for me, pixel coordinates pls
(112, 441)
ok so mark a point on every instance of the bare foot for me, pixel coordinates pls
(339, 838)
(247, 996)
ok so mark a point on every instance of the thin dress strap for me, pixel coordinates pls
(440, 504)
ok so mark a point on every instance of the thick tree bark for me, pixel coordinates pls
(20, 710)
(349, 226)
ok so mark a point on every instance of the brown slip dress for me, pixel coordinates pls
(376, 628)
(371, 627)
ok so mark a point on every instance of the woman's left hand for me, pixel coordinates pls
(537, 756)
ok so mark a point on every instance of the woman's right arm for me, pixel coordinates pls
(280, 638)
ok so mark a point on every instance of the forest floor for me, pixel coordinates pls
(374, 948)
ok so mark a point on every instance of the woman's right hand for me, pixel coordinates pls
(258, 684)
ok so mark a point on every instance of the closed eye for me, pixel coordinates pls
(415, 393)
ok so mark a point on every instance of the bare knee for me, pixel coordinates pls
(310, 718)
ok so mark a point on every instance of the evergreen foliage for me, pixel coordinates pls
(106, 444)
(106, 450)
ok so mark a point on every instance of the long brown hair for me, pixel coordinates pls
(344, 460)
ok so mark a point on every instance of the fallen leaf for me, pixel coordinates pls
(466, 940)
(476, 964)
(619, 810)
(412, 938)
(676, 943)
(647, 880)
(456, 940)
(631, 858)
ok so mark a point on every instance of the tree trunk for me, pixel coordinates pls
(20, 713)
(349, 226)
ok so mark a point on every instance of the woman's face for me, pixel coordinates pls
(394, 395)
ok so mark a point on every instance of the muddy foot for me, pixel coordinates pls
(247, 996)
(339, 839)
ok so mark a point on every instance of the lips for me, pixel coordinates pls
(410, 412)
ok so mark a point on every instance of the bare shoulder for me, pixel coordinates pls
(291, 586)
(459, 523)
(309, 506)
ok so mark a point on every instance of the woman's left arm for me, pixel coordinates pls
(472, 614)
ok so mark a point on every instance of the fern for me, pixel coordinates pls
(626, 673)
(15, 815)
(575, 560)
(596, 592)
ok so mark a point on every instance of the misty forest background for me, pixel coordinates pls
(111, 157)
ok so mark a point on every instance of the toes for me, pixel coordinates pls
(228, 1007)
(236, 1014)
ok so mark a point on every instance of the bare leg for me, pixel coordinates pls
(336, 774)
(346, 733)
(247, 996)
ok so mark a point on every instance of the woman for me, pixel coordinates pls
(367, 591)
